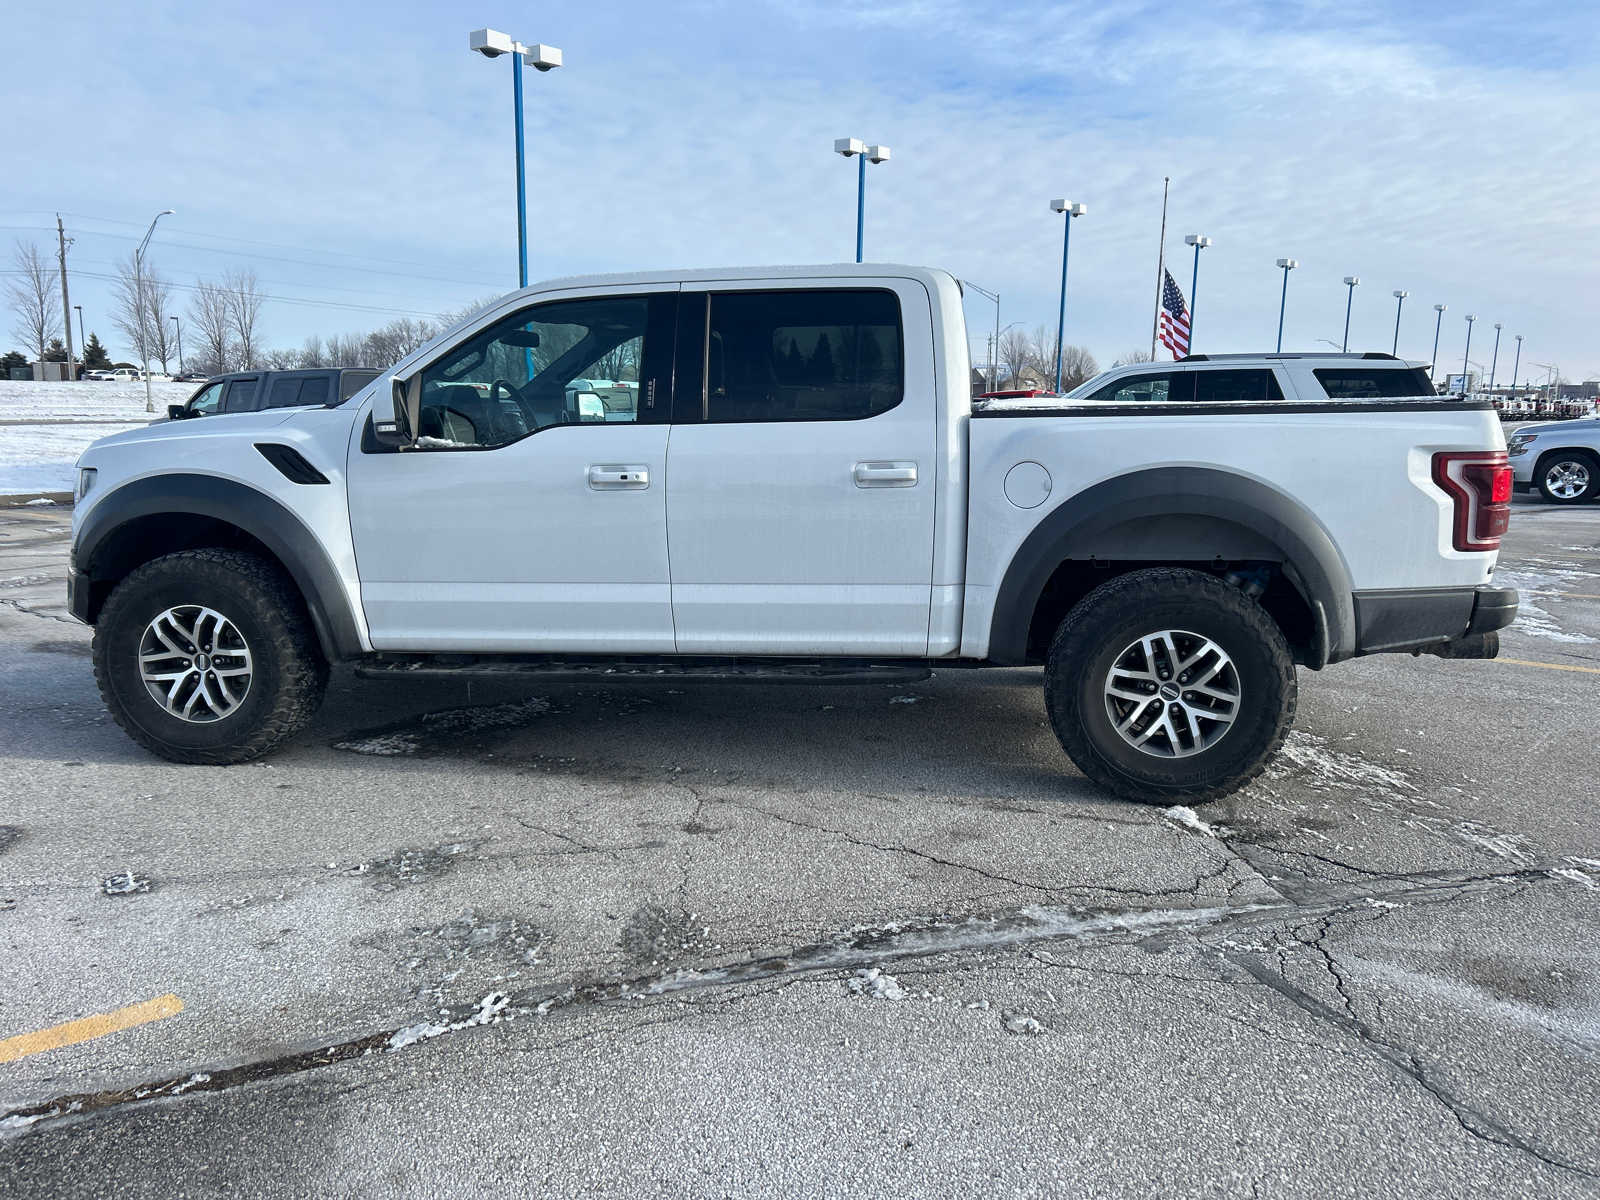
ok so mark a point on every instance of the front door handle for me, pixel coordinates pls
(619, 477)
(886, 474)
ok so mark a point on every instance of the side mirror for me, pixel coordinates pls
(177, 412)
(401, 431)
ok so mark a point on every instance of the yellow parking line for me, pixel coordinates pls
(1522, 662)
(89, 1028)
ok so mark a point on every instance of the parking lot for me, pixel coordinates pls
(856, 941)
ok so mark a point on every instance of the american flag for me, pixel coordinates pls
(1174, 318)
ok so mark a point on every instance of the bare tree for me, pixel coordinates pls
(209, 320)
(456, 315)
(158, 308)
(130, 314)
(1133, 356)
(346, 350)
(312, 354)
(281, 360)
(31, 299)
(243, 287)
(1016, 353)
(1077, 366)
(396, 340)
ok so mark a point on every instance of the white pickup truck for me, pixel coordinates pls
(781, 475)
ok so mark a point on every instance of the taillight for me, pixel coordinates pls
(1479, 482)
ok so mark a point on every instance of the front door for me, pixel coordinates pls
(801, 471)
(531, 514)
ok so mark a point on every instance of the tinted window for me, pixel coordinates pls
(1235, 387)
(351, 382)
(574, 362)
(1138, 389)
(1373, 383)
(802, 356)
(291, 391)
(241, 396)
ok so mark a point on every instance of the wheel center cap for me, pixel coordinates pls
(202, 662)
(1169, 691)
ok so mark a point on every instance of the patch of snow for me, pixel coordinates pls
(1180, 814)
(1576, 876)
(125, 885)
(873, 982)
(1020, 1023)
(192, 1081)
(1546, 576)
(1309, 755)
(41, 502)
(904, 699)
(1509, 846)
(486, 1012)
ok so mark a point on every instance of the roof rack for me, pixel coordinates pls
(1308, 354)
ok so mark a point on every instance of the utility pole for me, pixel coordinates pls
(63, 241)
(1161, 266)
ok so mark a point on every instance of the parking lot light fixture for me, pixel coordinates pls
(1399, 299)
(491, 43)
(850, 148)
(1494, 359)
(1465, 381)
(1438, 324)
(1350, 282)
(1288, 264)
(144, 333)
(1199, 243)
(1070, 210)
(1516, 365)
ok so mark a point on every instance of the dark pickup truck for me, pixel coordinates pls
(253, 391)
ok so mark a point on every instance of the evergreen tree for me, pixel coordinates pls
(794, 364)
(821, 367)
(12, 358)
(56, 351)
(95, 357)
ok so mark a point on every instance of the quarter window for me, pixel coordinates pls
(294, 391)
(1235, 387)
(573, 362)
(1374, 383)
(812, 355)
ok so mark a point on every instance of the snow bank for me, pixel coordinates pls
(61, 419)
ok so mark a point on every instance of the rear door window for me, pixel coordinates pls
(1236, 387)
(295, 391)
(803, 355)
(241, 396)
(1374, 383)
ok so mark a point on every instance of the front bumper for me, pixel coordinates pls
(1405, 619)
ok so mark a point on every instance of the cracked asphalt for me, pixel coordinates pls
(750, 940)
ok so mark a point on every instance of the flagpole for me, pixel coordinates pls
(1161, 266)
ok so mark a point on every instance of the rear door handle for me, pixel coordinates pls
(619, 477)
(886, 474)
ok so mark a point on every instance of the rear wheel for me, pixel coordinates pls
(1568, 477)
(208, 656)
(1167, 685)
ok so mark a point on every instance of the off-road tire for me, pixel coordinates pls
(289, 671)
(1104, 623)
(1568, 458)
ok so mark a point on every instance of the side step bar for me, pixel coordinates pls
(508, 670)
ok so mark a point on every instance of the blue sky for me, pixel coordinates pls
(359, 157)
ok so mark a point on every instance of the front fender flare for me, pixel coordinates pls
(255, 512)
(1244, 514)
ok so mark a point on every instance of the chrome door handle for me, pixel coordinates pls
(886, 474)
(617, 477)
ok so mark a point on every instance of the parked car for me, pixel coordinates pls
(99, 373)
(191, 377)
(252, 391)
(1561, 460)
(1169, 542)
(122, 375)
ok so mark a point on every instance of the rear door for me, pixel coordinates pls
(801, 470)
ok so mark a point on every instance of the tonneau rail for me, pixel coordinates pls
(1027, 408)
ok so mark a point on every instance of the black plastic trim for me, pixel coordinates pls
(1495, 609)
(1402, 618)
(258, 514)
(290, 463)
(1163, 409)
(1240, 518)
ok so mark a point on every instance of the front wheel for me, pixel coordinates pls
(1571, 477)
(208, 656)
(1168, 685)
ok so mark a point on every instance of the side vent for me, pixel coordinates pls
(291, 463)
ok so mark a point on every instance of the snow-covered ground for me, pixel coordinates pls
(61, 419)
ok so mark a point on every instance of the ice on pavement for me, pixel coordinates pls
(1541, 576)
(485, 1012)
(875, 983)
(1180, 814)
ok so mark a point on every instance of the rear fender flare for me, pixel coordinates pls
(1186, 514)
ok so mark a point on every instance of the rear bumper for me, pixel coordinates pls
(1404, 619)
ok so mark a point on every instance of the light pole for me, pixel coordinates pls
(179, 327)
(994, 367)
(78, 308)
(492, 44)
(1438, 323)
(1199, 243)
(849, 147)
(1071, 210)
(1288, 264)
(144, 334)
(1494, 359)
(1350, 282)
(1399, 299)
(1465, 381)
(1516, 365)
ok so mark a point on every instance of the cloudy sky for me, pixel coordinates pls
(359, 157)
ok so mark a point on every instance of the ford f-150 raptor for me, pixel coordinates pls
(779, 474)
